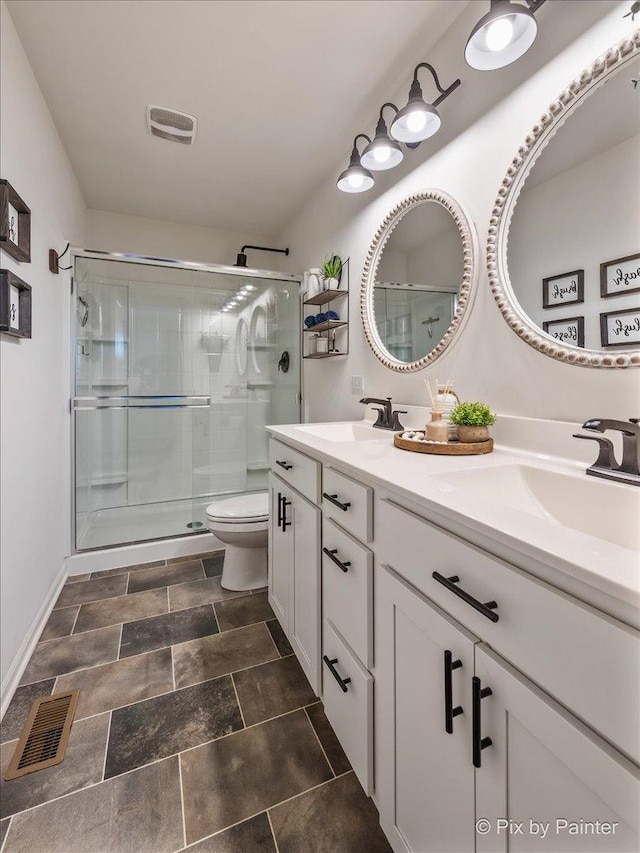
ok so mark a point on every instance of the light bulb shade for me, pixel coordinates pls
(355, 179)
(503, 35)
(383, 153)
(415, 122)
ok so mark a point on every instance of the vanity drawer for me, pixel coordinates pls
(347, 588)
(585, 659)
(348, 502)
(348, 702)
(297, 469)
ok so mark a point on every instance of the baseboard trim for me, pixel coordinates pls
(19, 664)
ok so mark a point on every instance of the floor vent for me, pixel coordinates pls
(45, 735)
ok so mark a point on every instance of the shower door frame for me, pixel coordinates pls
(167, 263)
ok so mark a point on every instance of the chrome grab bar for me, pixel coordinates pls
(144, 401)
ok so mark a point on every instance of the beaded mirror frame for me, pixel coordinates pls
(617, 58)
(468, 285)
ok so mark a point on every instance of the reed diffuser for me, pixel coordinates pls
(437, 429)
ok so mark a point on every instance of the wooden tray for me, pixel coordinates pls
(452, 448)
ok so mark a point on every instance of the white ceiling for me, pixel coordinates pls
(279, 88)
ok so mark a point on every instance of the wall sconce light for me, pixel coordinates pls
(355, 178)
(420, 120)
(383, 152)
(503, 35)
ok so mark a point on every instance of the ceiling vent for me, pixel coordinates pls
(171, 125)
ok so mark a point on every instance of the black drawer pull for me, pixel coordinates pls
(279, 510)
(486, 609)
(335, 502)
(478, 693)
(334, 672)
(449, 711)
(286, 465)
(331, 555)
(285, 523)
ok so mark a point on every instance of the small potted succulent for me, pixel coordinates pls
(472, 421)
(332, 271)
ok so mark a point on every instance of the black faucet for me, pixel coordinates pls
(606, 465)
(387, 417)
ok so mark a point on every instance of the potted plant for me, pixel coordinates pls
(332, 271)
(472, 421)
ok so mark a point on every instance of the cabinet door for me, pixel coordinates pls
(424, 773)
(547, 773)
(280, 551)
(305, 595)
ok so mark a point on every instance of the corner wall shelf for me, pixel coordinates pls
(327, 329)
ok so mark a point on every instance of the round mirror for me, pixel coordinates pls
(564, 262)
(417, 280)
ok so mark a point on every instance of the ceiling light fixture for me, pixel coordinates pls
(420, 120)
(383, 152)
(503, 35)
(355, 178)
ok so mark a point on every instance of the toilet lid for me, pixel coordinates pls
(250, 507)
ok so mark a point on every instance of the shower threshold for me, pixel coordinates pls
(127, 525)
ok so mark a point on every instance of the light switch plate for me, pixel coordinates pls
(357, 384)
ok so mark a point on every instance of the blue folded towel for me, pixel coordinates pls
(310, 321)
(320, 318)
(332, 315)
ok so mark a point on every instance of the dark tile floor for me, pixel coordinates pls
(195, 730)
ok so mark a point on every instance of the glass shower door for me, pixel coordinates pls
(176, 376)
(250, 367)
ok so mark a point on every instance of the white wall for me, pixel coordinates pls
(34, 412)
(119, 232)
(489, 361)
(597, 202)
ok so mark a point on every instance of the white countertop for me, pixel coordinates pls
(600, 564)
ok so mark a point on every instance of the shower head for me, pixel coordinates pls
(241, 259)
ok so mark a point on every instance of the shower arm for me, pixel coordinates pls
(241, 260)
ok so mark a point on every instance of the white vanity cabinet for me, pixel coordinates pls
(425, 779)
(515, 753)
(461, 687)
(294, 573)
(544, 766)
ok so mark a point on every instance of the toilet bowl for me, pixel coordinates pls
(242, 523)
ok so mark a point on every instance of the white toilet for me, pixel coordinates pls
(242, 523)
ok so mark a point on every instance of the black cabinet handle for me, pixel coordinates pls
(286, 465)
(279, 510)
(478, 693)
(285, 523)
(334, 672)
(335, 502)
(486, 609)
(449, 711)
(331, 555)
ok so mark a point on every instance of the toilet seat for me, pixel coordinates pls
(252, 508)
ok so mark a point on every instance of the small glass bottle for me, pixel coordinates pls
(437, 429)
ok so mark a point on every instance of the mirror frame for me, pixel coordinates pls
(573, 96)
(468, 285)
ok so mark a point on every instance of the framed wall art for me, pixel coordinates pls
(564, 289)
(15, 224)
(570, 330)
(620, 276)
(15, 305)
(620, 328)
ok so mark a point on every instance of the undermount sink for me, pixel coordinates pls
(344, 432)
(605, 510)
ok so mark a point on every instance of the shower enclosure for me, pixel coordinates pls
(177, 369)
